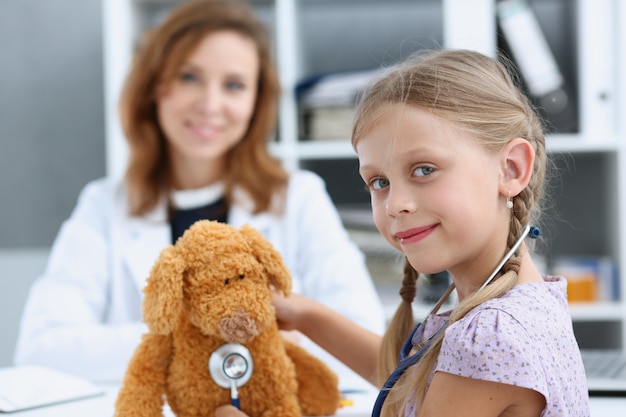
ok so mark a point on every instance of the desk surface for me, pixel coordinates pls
(103, 406)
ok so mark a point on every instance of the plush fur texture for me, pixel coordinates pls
(213, 287)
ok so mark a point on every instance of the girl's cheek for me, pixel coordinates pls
(379, 222)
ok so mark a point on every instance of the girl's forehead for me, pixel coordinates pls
(412, 133)
(400, 126)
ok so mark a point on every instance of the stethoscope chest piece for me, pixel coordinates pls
(231, 363)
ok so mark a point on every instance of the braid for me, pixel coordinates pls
(400, 325)
(409, 281)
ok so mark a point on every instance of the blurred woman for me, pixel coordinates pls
(198, 108)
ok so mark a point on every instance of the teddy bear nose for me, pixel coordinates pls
(238, 328)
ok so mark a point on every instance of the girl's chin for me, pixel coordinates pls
(424, 267)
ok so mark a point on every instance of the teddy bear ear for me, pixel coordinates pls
(269, 257)
(163, 301)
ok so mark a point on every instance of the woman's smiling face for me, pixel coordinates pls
(206, 110)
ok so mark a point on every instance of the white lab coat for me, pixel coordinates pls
(83, 315)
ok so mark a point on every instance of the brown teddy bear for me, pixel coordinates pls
(213, 287)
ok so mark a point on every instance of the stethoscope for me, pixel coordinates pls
(231, 367)
(404, 360)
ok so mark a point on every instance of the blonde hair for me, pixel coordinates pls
(157, 61)
(479, 95)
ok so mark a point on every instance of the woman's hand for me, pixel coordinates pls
(229, 411)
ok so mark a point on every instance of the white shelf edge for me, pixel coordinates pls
(327, 149)
(597, 311)
(580, 312)
(342, 148)
(580, 143)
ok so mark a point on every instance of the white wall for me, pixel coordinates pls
(51, 135)
(51, 114)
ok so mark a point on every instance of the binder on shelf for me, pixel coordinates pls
(536, 63)
(596, 68)
(589, 278)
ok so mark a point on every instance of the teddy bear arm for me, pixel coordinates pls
(143, 387)
(318, 385)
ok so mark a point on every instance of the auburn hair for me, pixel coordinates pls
(158, 58)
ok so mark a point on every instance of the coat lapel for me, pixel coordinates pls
(241, 213)
(145, 238)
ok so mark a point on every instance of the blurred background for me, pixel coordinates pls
(62, 62)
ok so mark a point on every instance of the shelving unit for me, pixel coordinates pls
(313, 36)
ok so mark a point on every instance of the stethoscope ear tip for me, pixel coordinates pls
(534, 232)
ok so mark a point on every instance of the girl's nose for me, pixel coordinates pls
(399, 201)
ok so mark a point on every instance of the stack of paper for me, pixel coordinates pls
(327, 103)
(25, 387)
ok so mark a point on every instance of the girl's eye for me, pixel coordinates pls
(378, 183)
(423, 171)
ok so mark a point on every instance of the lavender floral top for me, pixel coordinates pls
(524, 338)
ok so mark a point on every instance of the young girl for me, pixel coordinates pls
(198, 109)
(454, 157)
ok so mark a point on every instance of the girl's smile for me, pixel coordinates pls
(417, 234)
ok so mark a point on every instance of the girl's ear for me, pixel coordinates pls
(518, 158)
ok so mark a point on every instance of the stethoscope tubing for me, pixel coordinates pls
(404, 364)
(235, 402)
(406, 361)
